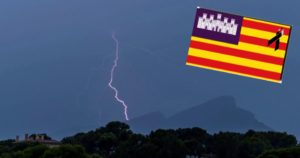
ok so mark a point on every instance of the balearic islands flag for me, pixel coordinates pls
(238, 45)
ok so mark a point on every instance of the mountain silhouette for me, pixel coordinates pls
(148, 122)
(219, 114)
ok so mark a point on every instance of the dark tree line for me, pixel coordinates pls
(35, 150)
(116, 140)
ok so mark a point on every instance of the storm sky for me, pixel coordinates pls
(56, 55)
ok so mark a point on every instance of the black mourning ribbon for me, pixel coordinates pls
(276, 39)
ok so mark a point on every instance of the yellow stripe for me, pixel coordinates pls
(235, 60)
(245, 46)
(232, 72)
(266, 22)
(262, 34)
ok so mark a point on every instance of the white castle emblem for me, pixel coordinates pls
(217, 25)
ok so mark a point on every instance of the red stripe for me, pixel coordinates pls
(264, 26)
(260, 41)
(236, 52)
(233, 67)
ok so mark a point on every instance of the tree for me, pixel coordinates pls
(136, 146)
(169, 145)
(292, 152)
(195, 139)
(35, 152)
(121, 130)
(104, 140)
(66, 151)
(42, 151)
(225, 144)
(251, 147)
(30, 152)
(281, 140)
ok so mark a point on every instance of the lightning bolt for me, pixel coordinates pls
(115, 65)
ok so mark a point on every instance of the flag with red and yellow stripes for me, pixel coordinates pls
(238, 45)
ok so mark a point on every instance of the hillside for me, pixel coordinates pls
(219, 114)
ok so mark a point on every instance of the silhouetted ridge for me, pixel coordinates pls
(148, 122)
(219, 114)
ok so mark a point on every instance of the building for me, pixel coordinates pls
(38, 138)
